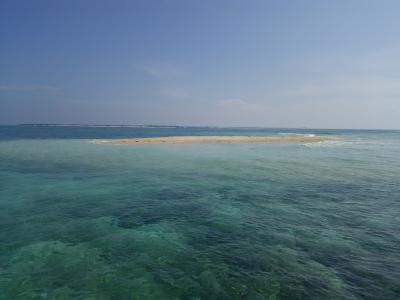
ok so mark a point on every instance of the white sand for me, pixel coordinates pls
(219, 139)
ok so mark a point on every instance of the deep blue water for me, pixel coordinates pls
(75, 132)
(80, 220)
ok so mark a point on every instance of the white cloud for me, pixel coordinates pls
(238, 105)
(169, 79)
(365, 87)
(174, 91)
(161, 70)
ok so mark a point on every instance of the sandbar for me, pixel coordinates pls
(218, 139)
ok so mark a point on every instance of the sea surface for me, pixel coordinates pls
(80, 220)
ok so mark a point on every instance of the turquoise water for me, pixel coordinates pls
(80, 220)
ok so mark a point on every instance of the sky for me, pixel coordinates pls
(282, 63)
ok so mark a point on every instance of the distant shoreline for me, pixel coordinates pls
(100, 125)
(151, 126)
(218, 139)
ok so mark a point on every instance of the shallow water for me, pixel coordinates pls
(81, 220)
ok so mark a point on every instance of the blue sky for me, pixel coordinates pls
(325, 64)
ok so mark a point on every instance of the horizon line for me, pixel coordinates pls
(188, 126)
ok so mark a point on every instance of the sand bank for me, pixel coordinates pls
(218, 139)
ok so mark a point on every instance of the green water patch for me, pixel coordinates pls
(207, 222)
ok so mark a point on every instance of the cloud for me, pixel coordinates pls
(28, 88)
(174, 91)
(365, 87)
(238, 105)
(161, 70)
(239, 112)
(169, 79)
(371, 77)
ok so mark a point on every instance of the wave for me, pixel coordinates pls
(328, 144)
(345, 143)
(298, 134)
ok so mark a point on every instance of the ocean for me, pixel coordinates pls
(80, 220)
